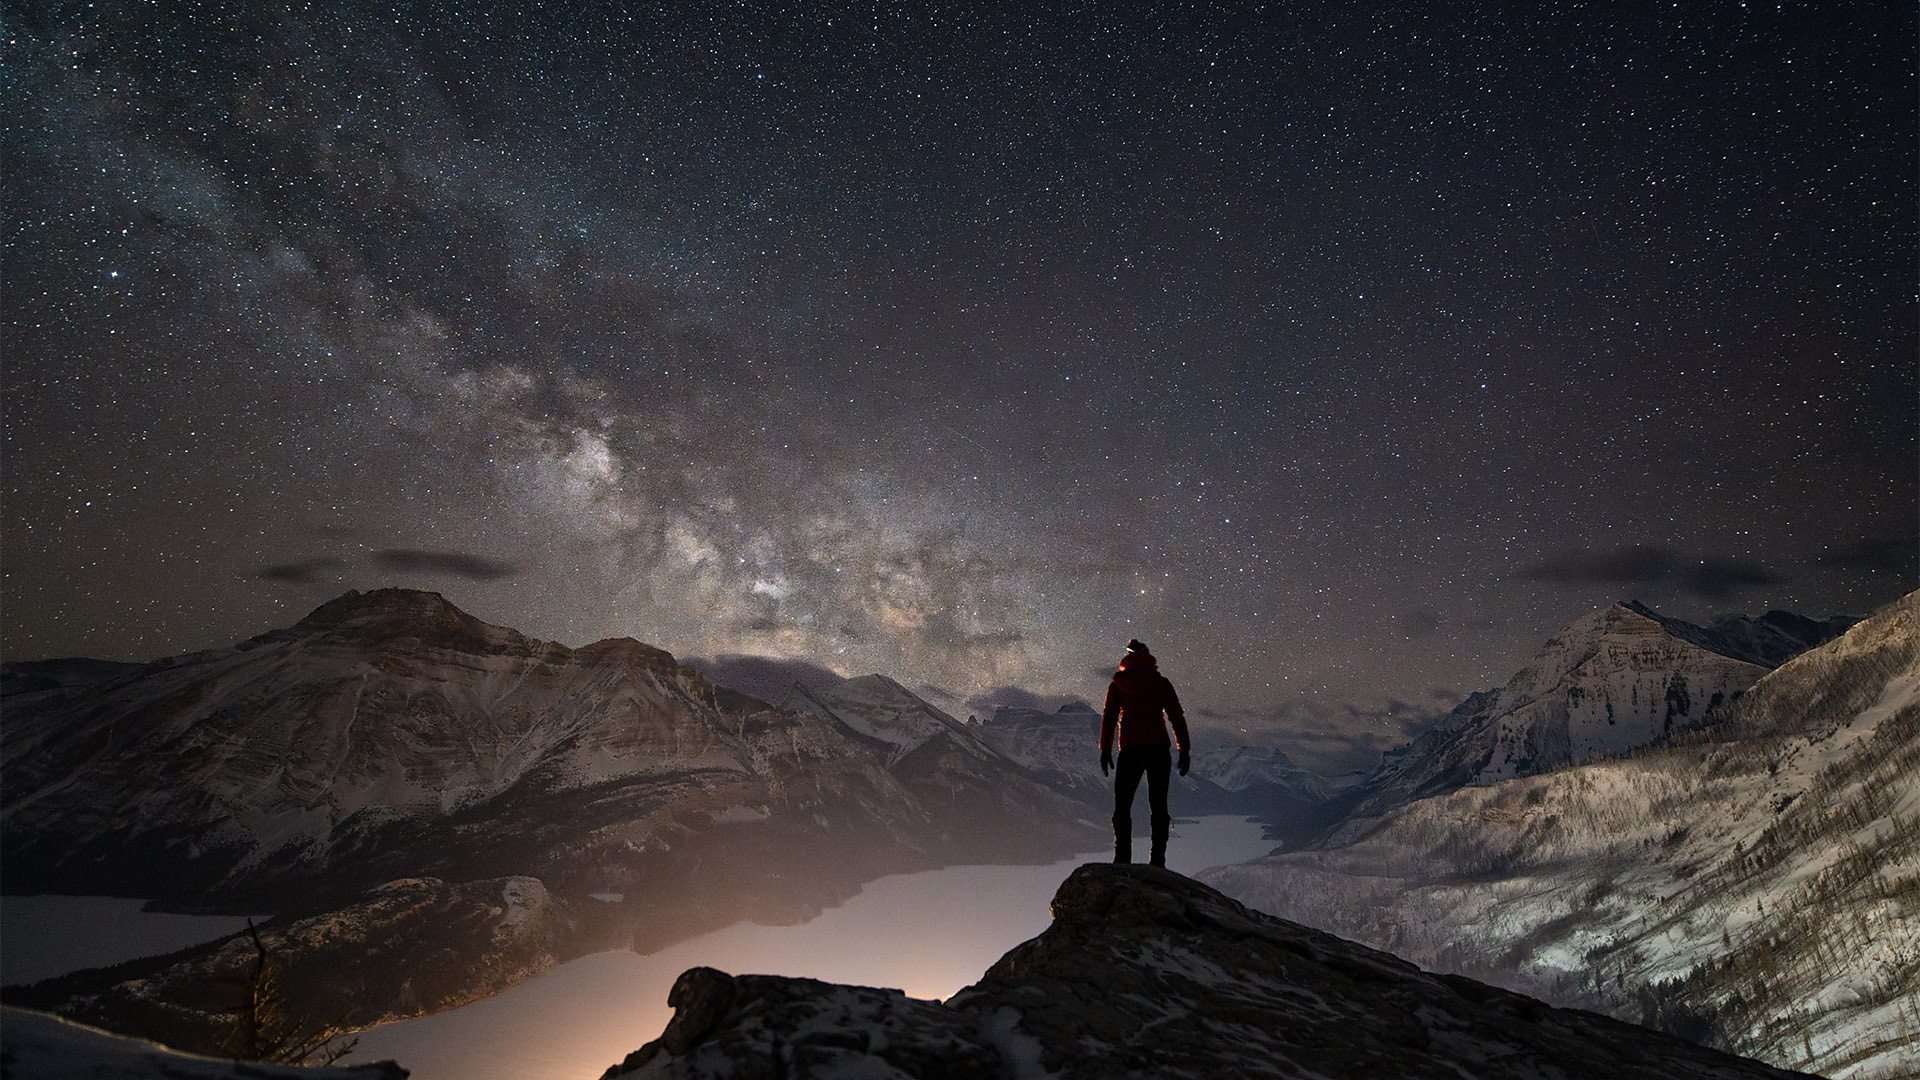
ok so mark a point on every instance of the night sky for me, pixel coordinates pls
(1340, 352)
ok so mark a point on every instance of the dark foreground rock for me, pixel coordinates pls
(1147, 973)
(36, 1046)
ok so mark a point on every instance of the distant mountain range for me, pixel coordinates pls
(1744, 871)
(1604, 684)
(1258, 781)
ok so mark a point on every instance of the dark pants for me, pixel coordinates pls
(1157, 763)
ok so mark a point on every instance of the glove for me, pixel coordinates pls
(1106, 762)
(1185, 761)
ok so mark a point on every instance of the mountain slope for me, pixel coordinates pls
(1603, 684)
(391, 734)
(1755, 883)
(1145, 973)
(42, 1047)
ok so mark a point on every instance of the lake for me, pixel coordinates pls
(44, 936)
(929, 933)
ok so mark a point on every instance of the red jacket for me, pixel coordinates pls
(1136, 699)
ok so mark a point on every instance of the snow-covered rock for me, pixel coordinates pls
(36, 1046)
(1145, 973)
(1753, 882)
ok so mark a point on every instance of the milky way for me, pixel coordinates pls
(1338, 352)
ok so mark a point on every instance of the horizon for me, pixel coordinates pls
(803, 672)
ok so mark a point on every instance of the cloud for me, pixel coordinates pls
(1016, 697)
(1710, 577)
(299, 572)
(1886, 553)
(454, 563)
(765, 677)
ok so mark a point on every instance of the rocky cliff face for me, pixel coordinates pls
(1605, 683)
(1754, 882)
(1145, 973)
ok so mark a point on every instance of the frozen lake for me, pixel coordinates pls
(929, 933)
(44, 936)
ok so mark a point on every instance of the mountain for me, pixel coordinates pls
(35, 676)
(42, 1047)
(879, 708)
(391, 736)
(1605, 683)
(1145, 973)
(1754, 882)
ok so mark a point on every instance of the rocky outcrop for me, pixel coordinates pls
(42, 1047)
(1145, 973)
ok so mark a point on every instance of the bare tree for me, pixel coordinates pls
(263, 1030)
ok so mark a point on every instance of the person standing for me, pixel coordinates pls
(1139, 702)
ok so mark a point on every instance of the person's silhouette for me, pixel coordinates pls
(1137, 699)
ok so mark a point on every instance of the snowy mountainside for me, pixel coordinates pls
(1607, 682)
(1753, 883)
(1238, 768)
(1146, 973)
(390, 734)
(880, 708)
(308, 754)
(43, 1047)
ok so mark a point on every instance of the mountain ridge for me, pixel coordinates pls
(1754, 880)
(1618, 677)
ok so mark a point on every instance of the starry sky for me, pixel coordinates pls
(1340, 352)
